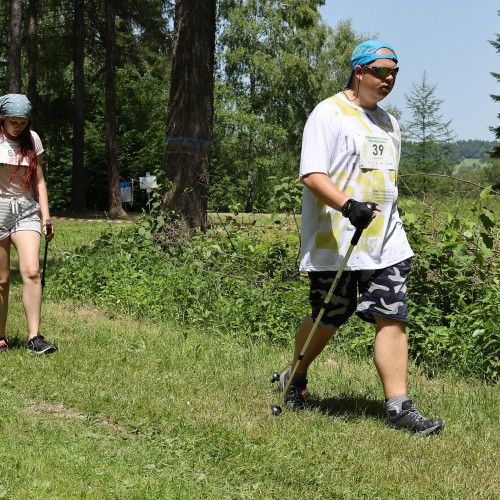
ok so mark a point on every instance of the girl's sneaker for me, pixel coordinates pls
(39, 345)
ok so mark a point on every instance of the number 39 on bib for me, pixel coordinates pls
(377, 153)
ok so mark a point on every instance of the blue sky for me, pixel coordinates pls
(448, 39)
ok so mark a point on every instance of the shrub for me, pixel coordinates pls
(241, 281)
(454, 289)
(233, 280)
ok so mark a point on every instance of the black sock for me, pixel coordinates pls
(299, 380)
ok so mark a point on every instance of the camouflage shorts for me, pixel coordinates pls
(382, 292)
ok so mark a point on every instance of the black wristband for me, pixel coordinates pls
(347, 207)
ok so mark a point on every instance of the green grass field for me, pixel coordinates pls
(143, 410)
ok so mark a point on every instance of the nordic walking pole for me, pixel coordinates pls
(354, 242)
(48, 225)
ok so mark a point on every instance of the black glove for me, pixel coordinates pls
(359, 213)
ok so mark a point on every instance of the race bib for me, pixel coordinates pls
(377, 153)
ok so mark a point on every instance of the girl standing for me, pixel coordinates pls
(23, 200)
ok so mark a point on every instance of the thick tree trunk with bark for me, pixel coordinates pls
(78, 204)
(15, 47)
(115, 205)
(190, 112)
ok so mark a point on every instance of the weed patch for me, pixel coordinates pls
(145, 409)
(239, 281)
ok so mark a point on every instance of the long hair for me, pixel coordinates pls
(25, 149)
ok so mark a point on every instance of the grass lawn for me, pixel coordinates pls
(143, 410)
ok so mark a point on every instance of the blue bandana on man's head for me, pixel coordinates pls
(15, 105)
(366, 52)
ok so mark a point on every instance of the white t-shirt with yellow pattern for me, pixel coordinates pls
(359, 150)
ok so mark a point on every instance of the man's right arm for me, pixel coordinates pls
(360, 214)
(325, 190)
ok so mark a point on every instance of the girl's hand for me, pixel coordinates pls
(48, 230)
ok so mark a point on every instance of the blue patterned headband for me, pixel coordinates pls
(15, 105)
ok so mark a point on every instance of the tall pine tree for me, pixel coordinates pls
(495, 153)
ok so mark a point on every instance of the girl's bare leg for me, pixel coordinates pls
(27, 244)
(4, 283)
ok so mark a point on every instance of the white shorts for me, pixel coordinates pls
(18, 213)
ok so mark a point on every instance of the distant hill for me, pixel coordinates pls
(461, 151)
(471, 149)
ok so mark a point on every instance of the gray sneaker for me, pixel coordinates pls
(39, 345)
(296, 396)
(409, 418)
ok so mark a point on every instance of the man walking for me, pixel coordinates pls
(349, 164)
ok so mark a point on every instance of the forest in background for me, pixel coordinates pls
(273, 63)
(473, 149)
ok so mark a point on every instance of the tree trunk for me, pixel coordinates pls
(190, 112)
(15, 47)
(115, 206)
(78, 204)
(251, 154)
(250, 182)
(32, 57)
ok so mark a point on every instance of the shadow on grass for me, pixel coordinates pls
(15, 277)
(17, 342)
(349, 406)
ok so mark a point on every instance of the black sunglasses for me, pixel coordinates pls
(382, 71)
